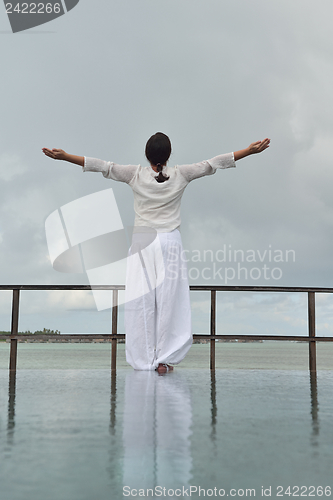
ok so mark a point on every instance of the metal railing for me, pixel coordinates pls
(114, 335)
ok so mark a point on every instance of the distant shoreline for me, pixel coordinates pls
(59, 340)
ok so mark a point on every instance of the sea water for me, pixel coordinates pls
(279, 355)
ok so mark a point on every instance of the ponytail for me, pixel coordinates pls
(161, 177)
(158, 150)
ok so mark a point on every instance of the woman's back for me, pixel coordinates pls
(157, 204)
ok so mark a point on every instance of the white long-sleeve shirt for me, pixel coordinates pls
(157, 205)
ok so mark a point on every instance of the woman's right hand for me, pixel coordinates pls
(56, 154)
(259, 146)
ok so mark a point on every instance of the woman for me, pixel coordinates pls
(157, 310)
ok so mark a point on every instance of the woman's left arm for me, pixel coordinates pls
(60, 154)
(110, 170)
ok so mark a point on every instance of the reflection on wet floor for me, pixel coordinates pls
(11, 407)
(85, 433)
(156, 430)
(314, 409)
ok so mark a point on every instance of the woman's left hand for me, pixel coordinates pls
(56, 154)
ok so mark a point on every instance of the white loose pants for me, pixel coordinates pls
(157, 308)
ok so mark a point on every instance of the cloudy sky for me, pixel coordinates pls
(214, 75)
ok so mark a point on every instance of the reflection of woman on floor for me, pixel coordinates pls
(157, 428)
(158, 323)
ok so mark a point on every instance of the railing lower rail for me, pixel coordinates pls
(114, 335)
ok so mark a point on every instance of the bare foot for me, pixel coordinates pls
(163, 368)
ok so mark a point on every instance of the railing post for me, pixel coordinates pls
(212, 327)
(14, 329)
(312, 331)
(114, 329)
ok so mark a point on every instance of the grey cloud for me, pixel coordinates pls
(213, 75)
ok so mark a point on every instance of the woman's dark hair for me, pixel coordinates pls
(158, 150)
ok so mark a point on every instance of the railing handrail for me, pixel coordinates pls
(202, 336)
(220, 288)
(114, 336)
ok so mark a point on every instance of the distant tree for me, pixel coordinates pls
(47, 331)
(37, 332)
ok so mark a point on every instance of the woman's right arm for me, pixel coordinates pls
(59, 154)
(209, 167)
